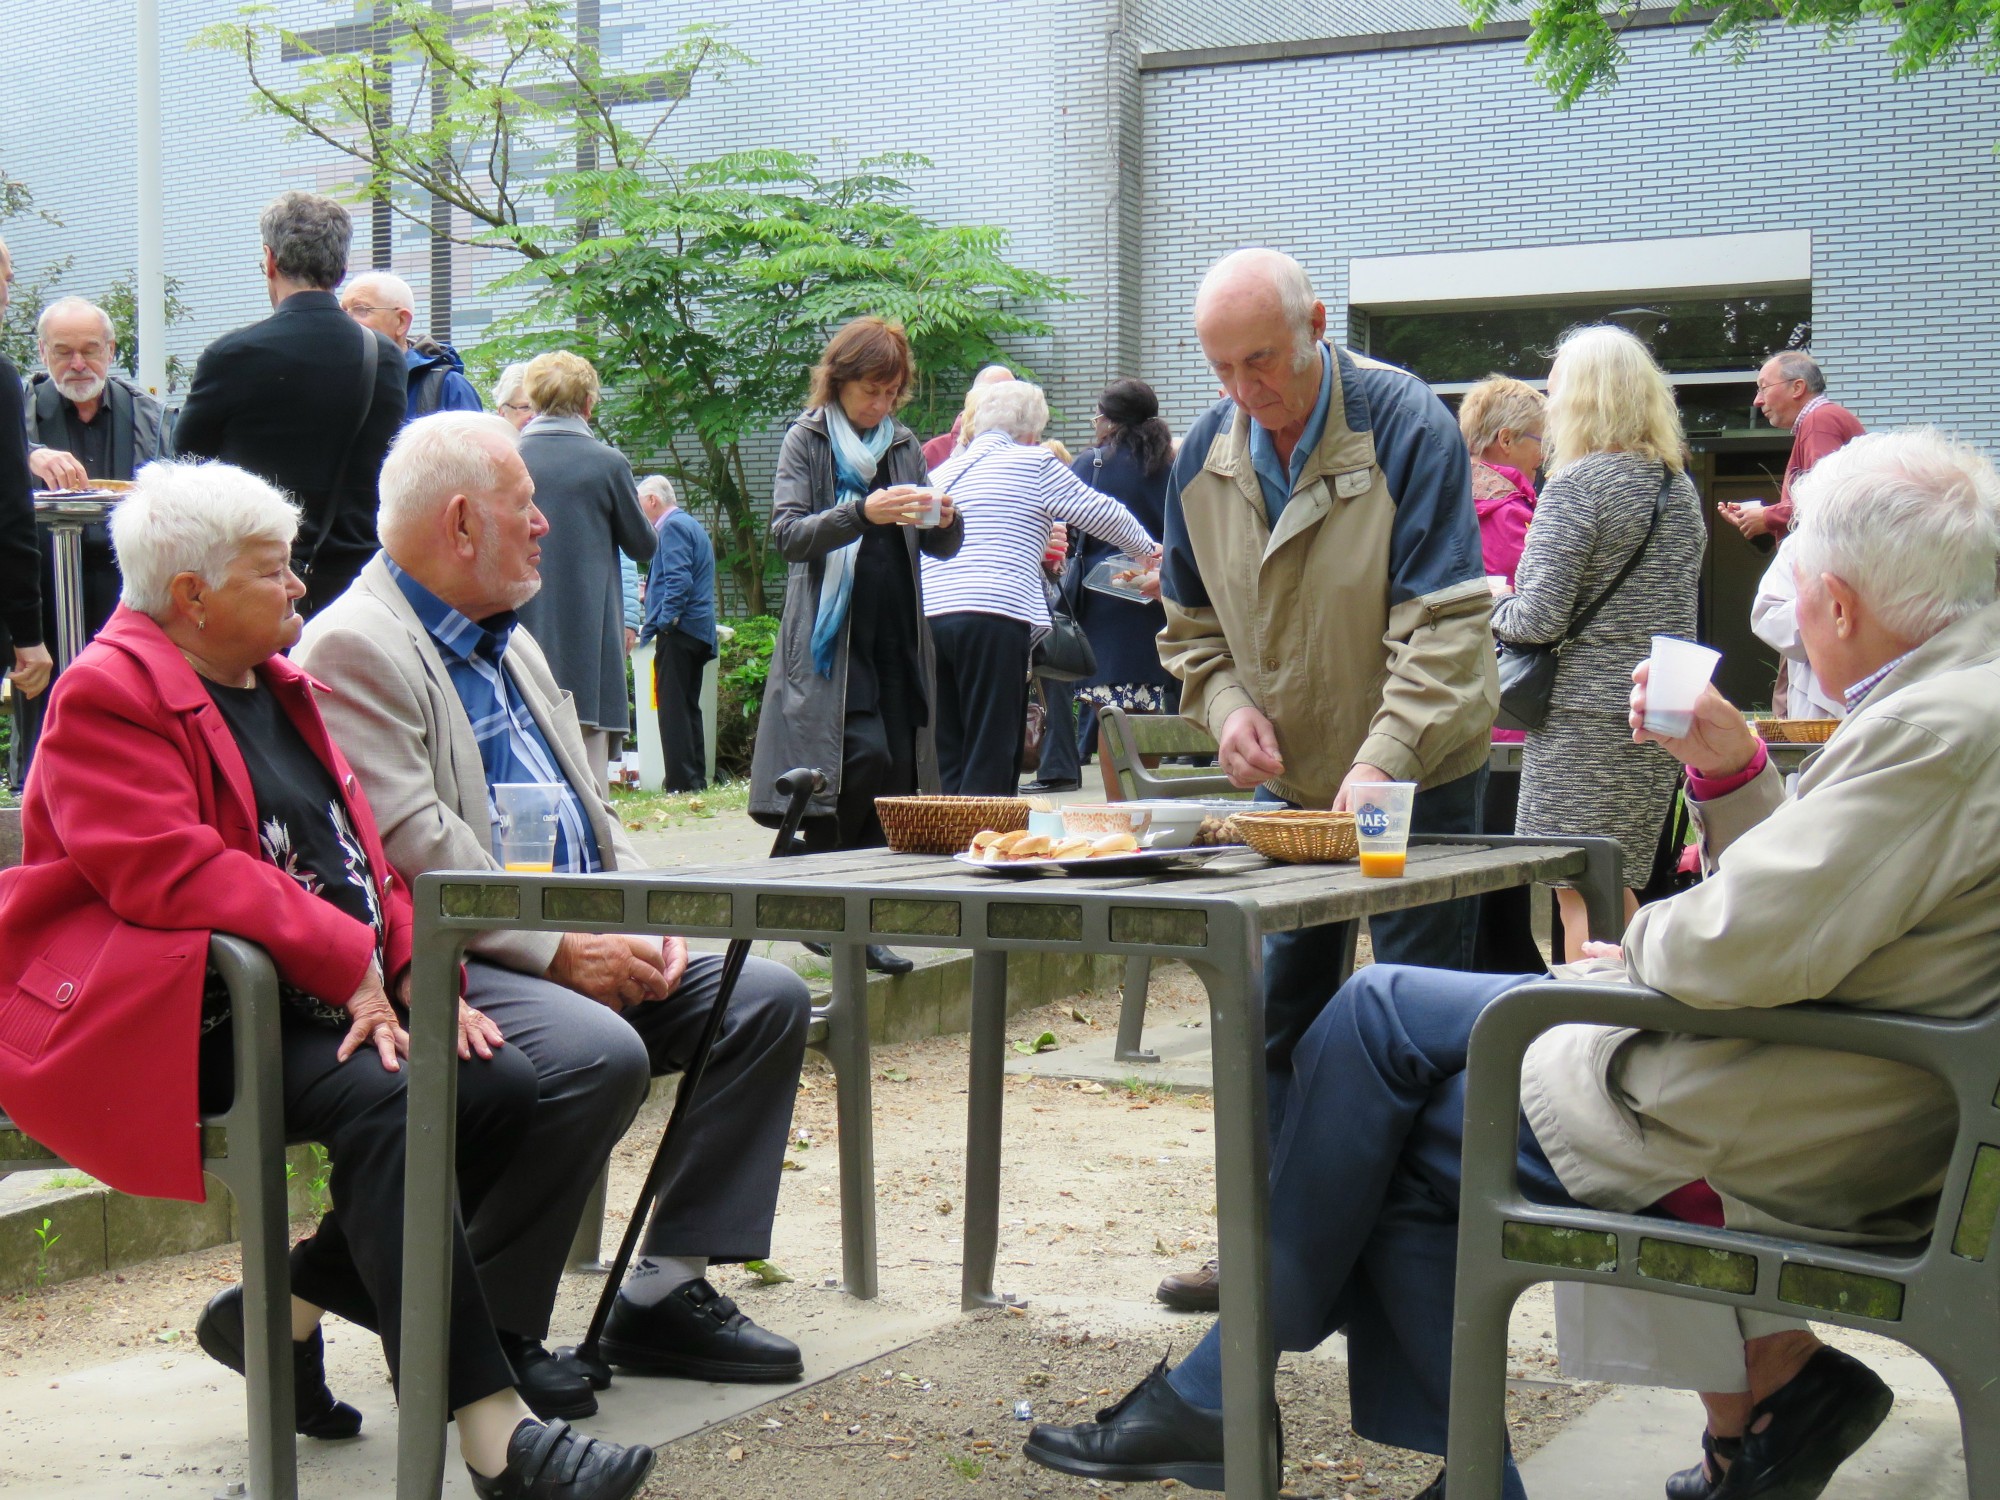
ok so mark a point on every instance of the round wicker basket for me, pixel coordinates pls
(1795, 731)
(1297, 835)
(945, 825)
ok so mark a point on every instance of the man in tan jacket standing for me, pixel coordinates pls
(1327, 613)
(1874, 884)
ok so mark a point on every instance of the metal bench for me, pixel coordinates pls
(245, 1148)
(1941, 1298)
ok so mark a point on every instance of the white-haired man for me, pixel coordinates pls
(1872, 884)
(384, 302)
(1327, 612)
(941, 447)
(680, 621)
(1791, 393)
(436, 694)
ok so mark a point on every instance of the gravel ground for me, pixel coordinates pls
(1106, 1188)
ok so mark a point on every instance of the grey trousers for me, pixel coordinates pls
(592, 1065)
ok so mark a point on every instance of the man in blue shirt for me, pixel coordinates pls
(437, 694)
(680, 620)
(385, 303)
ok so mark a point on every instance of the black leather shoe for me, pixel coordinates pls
(1150, 1434)
(1040, 788)
(315, 1412)
(1818, 1419)
(556, 1462)
(888, 960)
(1699, 1482)
(699, 1334)
(552, 1387)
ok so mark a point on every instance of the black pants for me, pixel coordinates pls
(678, 660)
(982, 702)
(352, 1265)
(1061, 753)
(878, 754)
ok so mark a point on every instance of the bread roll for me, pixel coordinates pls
(985, 838)
(1008, 842)
(1031, 846)
(1113, 843)
(1070, 848)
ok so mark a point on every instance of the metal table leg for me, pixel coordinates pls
(1234, 979)
(429, 1191)
(1132, 1013)
(983, 1120)
(854, 1104)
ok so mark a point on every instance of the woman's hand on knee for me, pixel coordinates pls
(477, 1032)
(374, 1023)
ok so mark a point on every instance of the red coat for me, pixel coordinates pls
(139, 838)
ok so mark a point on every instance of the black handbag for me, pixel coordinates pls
(1528, 673)
(1065, 653)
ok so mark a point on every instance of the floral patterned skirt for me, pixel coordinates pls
(1132, 697)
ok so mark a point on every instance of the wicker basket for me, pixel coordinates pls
(945, 825)
(1795, 731)
(1298, 836)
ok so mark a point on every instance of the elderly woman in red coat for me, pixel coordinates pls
(185, 784)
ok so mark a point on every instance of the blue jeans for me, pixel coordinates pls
(1364, 1198)
(1302, 969)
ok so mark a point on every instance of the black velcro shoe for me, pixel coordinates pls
(552, 1387)
(1151, 1434)
(1818, 1419)
(888, 961)
(699, 1334)
(315, 1411)
(1699, 1482)
(556, 1462)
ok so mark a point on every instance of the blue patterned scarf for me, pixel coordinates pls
(855, 457)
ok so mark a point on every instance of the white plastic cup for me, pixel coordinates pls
(933, 511)
(525, 817)
(1382, 824)
(1680, 670)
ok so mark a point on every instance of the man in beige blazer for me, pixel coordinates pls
(435, 693)
(1874, 884)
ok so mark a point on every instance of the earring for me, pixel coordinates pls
(202, 623)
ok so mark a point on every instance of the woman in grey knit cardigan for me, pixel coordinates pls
(1614, 437)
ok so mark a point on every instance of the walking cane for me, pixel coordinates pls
(797, 787)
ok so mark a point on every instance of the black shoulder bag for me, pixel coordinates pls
(1528, 673)
(370, 358)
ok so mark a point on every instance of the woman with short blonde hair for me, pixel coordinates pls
(1502, 420)
(560, 384)
(1617, 491)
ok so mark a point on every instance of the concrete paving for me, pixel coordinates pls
(1180, 1040)
(172, 1426)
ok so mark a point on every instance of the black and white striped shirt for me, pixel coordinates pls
(1011, 495)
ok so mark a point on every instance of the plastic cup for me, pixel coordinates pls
(525, 818)
(933, 511)
(1382, 825)
(1680, 670)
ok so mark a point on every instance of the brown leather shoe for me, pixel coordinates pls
(1193, 1291)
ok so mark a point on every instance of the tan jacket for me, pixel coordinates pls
(1876, 885)
(398, 720)
(1360, 628)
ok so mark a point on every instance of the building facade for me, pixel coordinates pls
(1417, 169)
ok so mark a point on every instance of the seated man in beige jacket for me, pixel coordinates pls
(1874, 884)
(435, 694)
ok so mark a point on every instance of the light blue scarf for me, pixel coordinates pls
(855, 457)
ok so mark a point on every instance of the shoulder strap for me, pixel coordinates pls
(370, 360)
(1582, 621)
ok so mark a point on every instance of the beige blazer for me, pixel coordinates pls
(1877, 885)
(398, 720)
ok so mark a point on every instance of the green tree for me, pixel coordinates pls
(1577, 46)
(701, 290)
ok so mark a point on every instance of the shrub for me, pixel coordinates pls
(745, 664)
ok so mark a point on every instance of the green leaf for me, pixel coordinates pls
(1046, 1042)
(765, 1272)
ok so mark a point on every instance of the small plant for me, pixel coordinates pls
(68, 1180)
(317, 1185)
(44, 1243)
(965, 1466)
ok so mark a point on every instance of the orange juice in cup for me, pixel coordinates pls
(525, 814)
(1382, 824)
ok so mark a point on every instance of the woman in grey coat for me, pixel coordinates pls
(1614, 441)
(586, 490)
(852, 683)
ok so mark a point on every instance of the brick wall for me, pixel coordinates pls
(1453, 149)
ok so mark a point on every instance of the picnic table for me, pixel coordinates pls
(1214, 919)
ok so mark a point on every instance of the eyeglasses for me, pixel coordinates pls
(515, 406)
(362, 307)
(1536, 438)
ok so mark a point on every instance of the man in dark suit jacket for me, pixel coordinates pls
(285, 398)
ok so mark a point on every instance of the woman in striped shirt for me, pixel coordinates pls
(986, 605)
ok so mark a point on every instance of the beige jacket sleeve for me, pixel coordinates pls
(1803, 890)
(1443, 687)
(376, 709)
(1194, 649)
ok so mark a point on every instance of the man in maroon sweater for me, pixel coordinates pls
(1792, 393)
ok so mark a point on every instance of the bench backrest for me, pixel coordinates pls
(1130, 736)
